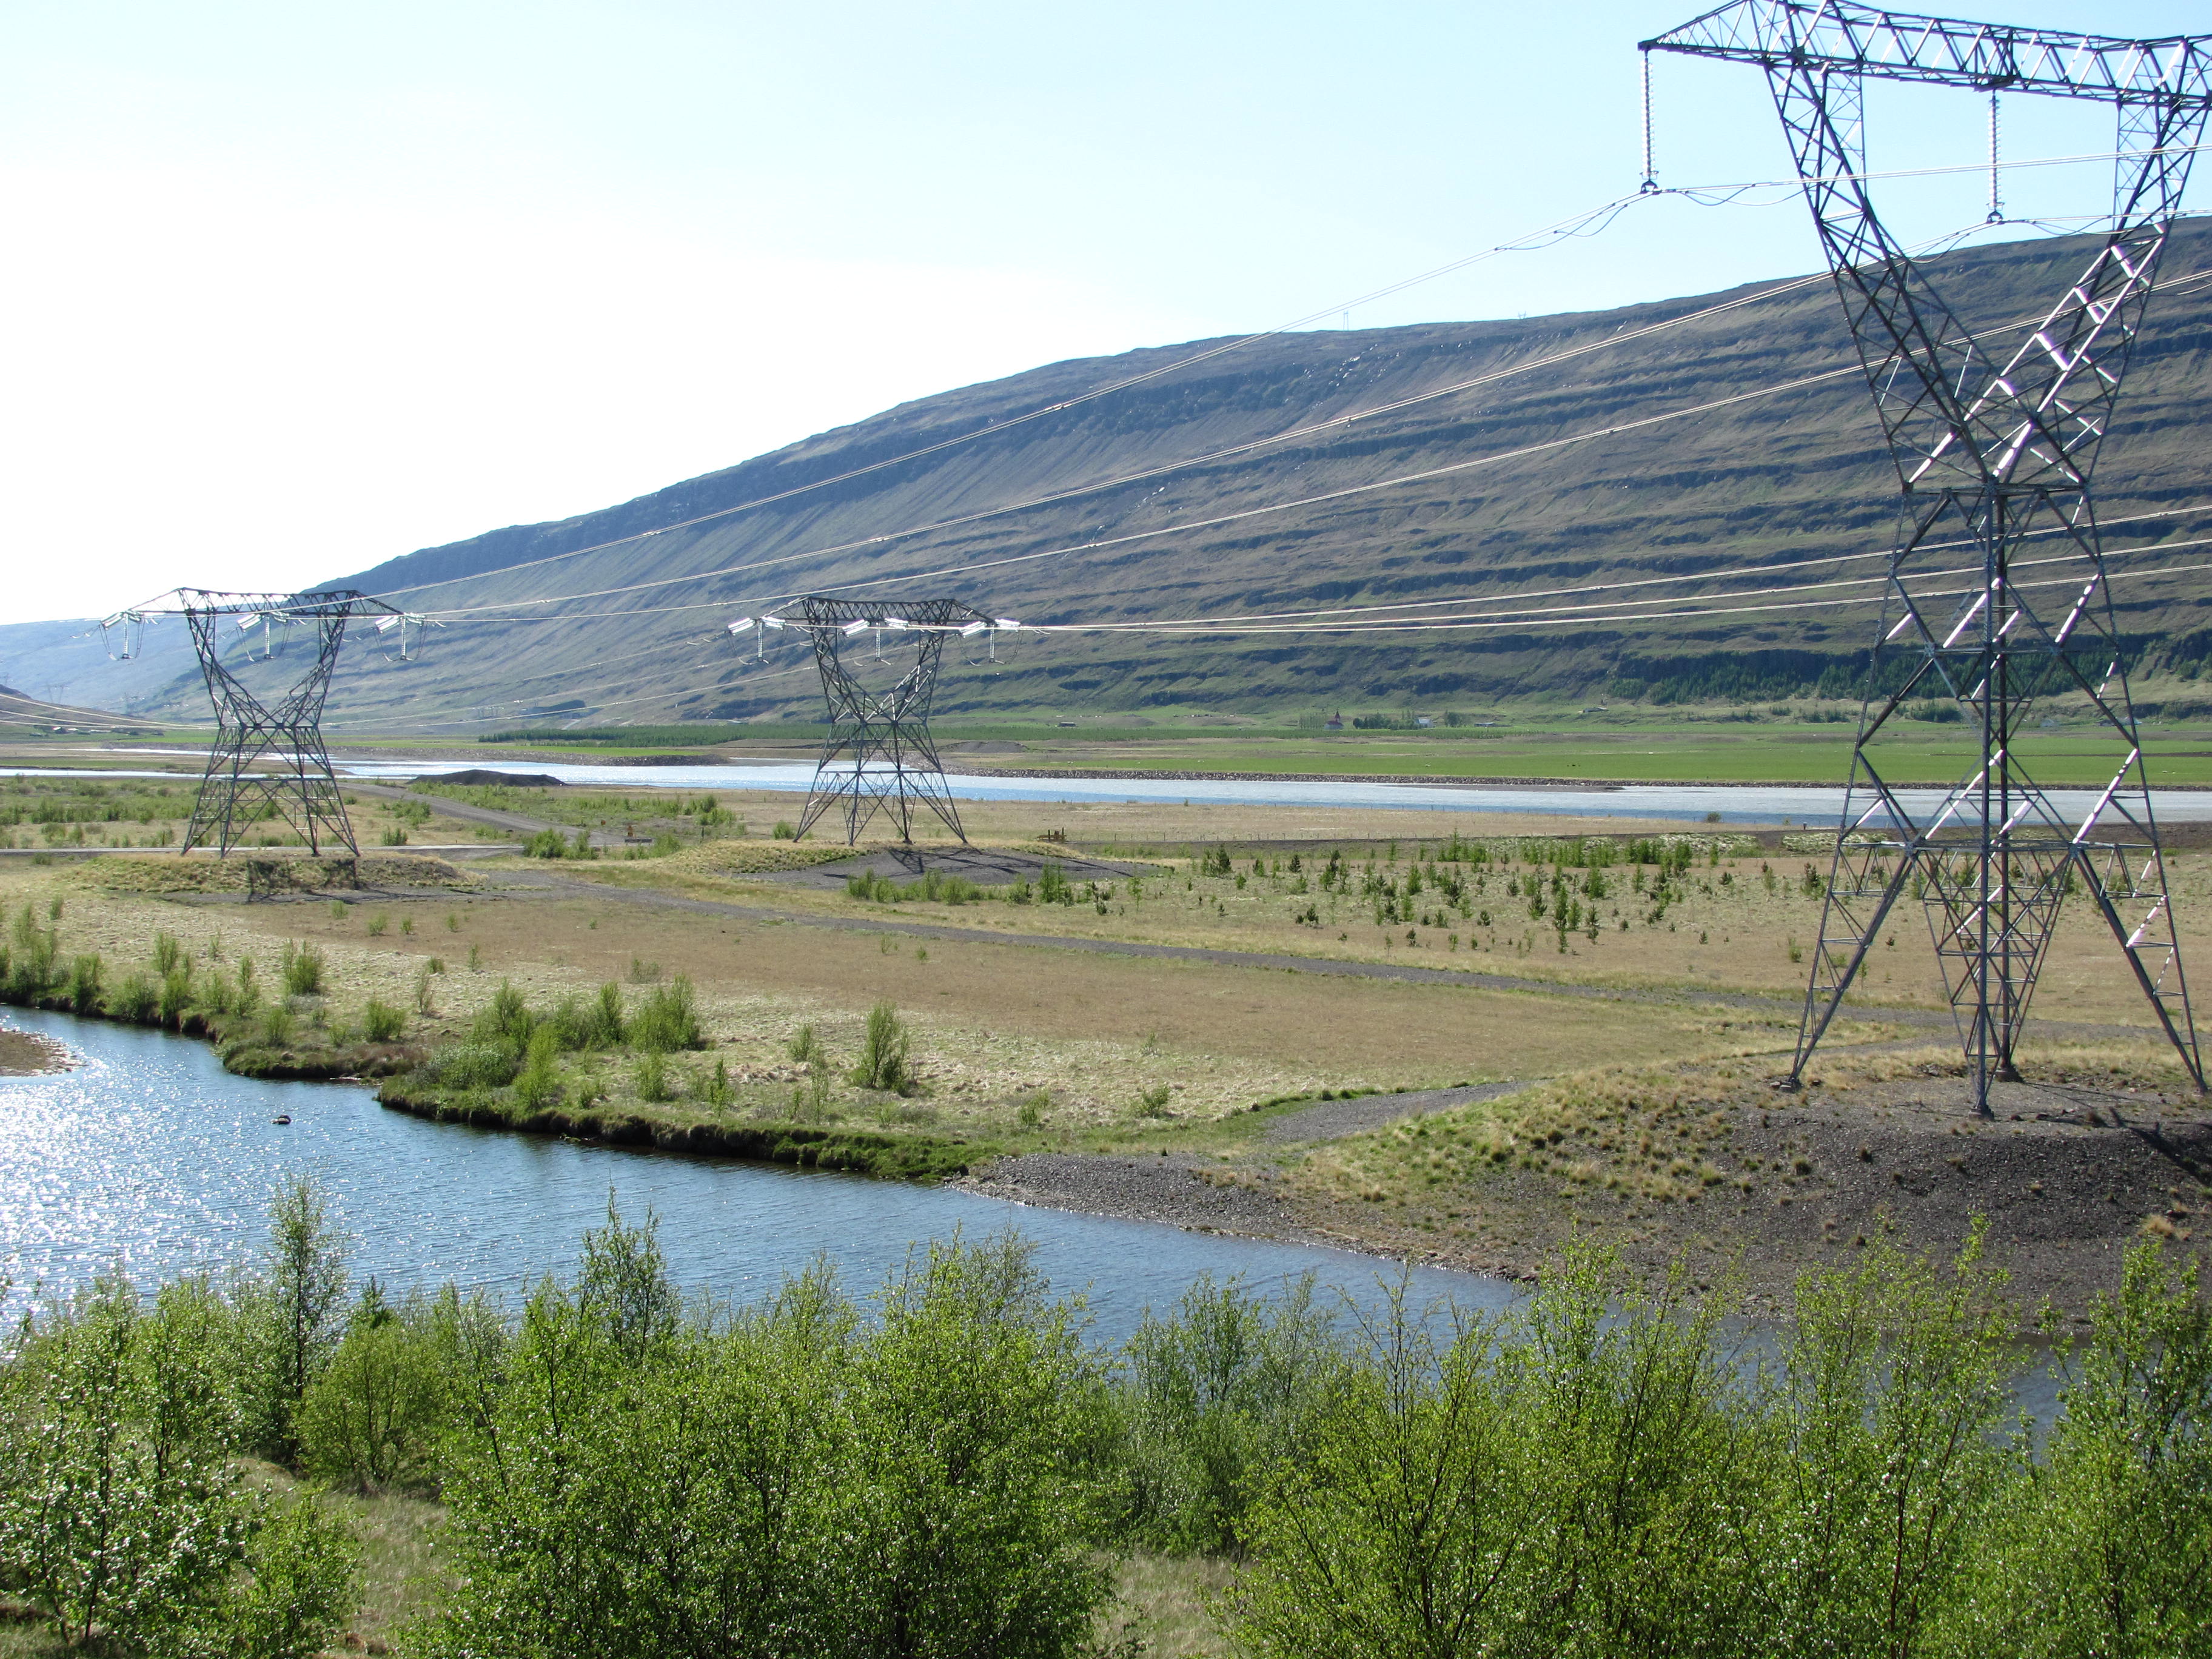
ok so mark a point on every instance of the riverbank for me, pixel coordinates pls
(1176, 1046)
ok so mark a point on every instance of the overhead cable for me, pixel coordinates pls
(1572, 226)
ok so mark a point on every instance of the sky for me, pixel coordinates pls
(293, 289)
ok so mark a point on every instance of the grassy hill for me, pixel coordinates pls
(1771, 478)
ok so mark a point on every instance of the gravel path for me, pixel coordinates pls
(1332, 1120)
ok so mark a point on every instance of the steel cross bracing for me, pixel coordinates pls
(879, 756)
(1996, 447)
(269, 762)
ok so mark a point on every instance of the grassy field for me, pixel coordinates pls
(1019, 1041)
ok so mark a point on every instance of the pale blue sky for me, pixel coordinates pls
(293, 288)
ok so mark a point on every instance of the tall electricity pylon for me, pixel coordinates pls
(297, 785)
(1994, 439)
(879, 754)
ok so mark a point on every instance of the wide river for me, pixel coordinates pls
(1806, 805)
(151, 1158)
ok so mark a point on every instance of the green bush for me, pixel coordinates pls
(124, 1523)
(84, 983)
(667, 1019)
(296, 1592)
(372, 1418)
(473, 1066)
(1219, 1392)
(883, 1062)
(547, 844)
(652, 1078)
(382, 1022)
(788, 1480)
(134, 1000)
(506, 1022)
(539, 1084)
(303, 968)
(176, 997)
(29, 966)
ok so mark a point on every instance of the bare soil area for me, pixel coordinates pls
(1713, 1166)
(26, 1053)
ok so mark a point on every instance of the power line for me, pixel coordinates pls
(1573, 226)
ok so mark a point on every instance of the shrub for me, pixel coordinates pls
(786, 831)
(667, 1020)
(1220, 1391)
(84, 983)
(371, 1420)
(169, 954)
(652, 1080)
(303, 969)
(788, 1481)
(299, 1586)
(546, 844)
(176, 998)
(473, 1066)
(116, 1517)
(607, 1026)
(382, 1022)
(30, 964)
(884, 1063)
(134, 1000)
(506, 1022)
(277, 1027)
(539, 1084)
(805, 1047)
(1153, 1102)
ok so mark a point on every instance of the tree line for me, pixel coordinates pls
(950, 1466)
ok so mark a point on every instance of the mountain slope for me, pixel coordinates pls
(1789, 476)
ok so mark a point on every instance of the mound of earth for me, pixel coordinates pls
(484, 777)
(1727, 1176)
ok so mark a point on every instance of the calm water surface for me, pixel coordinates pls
(150, 1157)
(1814, 805)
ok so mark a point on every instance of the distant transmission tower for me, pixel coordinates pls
(1993, 444)
(879, 756)
(297, 785)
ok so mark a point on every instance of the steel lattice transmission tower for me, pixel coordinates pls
(267, 761)
(1994, 444)
(879, 756)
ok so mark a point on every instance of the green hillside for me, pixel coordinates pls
(1759, 482)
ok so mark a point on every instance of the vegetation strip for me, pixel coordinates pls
(1472, 980)
(949, 1465)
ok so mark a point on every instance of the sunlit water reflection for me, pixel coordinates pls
(151, 1158)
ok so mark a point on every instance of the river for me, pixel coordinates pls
(1765, 803)
(151, 1158)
